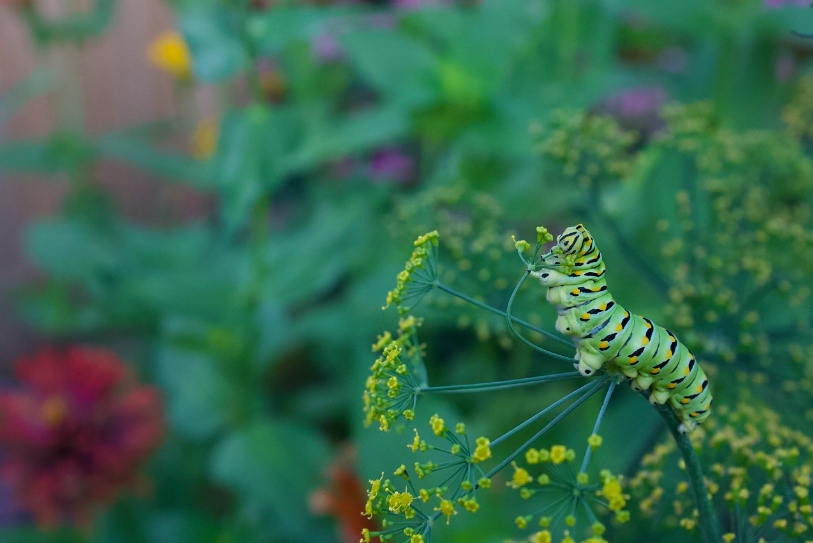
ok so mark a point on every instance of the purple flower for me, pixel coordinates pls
(775, 4)
(391, 164)
(416, 4)
(326, 48)
(636, 102)
(636, 109)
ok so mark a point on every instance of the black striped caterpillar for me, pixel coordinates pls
(605, 333)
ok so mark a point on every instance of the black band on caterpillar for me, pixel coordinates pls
(607, 334)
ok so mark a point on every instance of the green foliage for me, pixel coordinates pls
(342, 133)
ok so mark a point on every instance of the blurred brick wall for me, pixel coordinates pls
(120, 89)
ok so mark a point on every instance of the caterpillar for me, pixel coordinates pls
(605, 333)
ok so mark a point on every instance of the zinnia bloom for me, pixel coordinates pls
(75, 432)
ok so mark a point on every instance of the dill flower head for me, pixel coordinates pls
(589, 148)
(75, 433)
(408, 504)
(419, 275)
(170, 53)
(565, 498)
(760, 475)
(396, 377)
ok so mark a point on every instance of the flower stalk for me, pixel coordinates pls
(707, 518)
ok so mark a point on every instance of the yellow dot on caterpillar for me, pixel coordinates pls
(700, 388)
(580, 261)
(585, 317)
(707, 406)
(626, 313)
(655, 371)
(694, 414)
(633, 360)
(618, 328)
(577, 273)
(648, 325)
(603, 345)
(669, 354)
(672, 339)
(575, 292)
(603, 307)
(595, 289)
(671, 385)
(684, 401)
(645, 341)
(686, 371)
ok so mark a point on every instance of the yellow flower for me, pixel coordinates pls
(482, 451)
(365, 535)
(557, 454)
(594, 441)
(170, 53)
(417, 538)
(400, 501)
(532, 456)
(438, 425)
(204, 139)
(521, 477)
(541, 537)
(446, 508)
(729, 537)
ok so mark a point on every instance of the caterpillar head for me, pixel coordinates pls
(575, 240)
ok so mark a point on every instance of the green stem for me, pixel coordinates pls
(598, 384)
(709, 524)
(498, 385)
(589, 453)
(520, 336)
(582, 390)
(501, 313)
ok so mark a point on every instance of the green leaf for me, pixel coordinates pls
(150, 159)
(273, 467)
(395, 64)
(37, 83)
(215, 45)
(199, 399)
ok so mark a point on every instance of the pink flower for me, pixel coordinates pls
(75, 432)
(326, 48)
(391, 164)
(774, 4)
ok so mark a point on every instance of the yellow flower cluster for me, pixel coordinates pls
(568, 491)
(478, 246)
(757, 465)
(590, 148)
(419, 275)
(416, 507)
(395, 380)
(752, 254)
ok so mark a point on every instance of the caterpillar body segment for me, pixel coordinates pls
(604, 332)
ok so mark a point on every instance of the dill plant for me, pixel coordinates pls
(564, 500)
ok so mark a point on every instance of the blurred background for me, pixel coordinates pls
(203, 204)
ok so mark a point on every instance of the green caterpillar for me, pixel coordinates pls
(606, 333)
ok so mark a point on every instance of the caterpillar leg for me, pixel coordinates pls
(659, 396)
(642, 381)
(589, 363)
(687, 426)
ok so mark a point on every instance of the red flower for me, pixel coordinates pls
(344, 497)
(75, 432)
